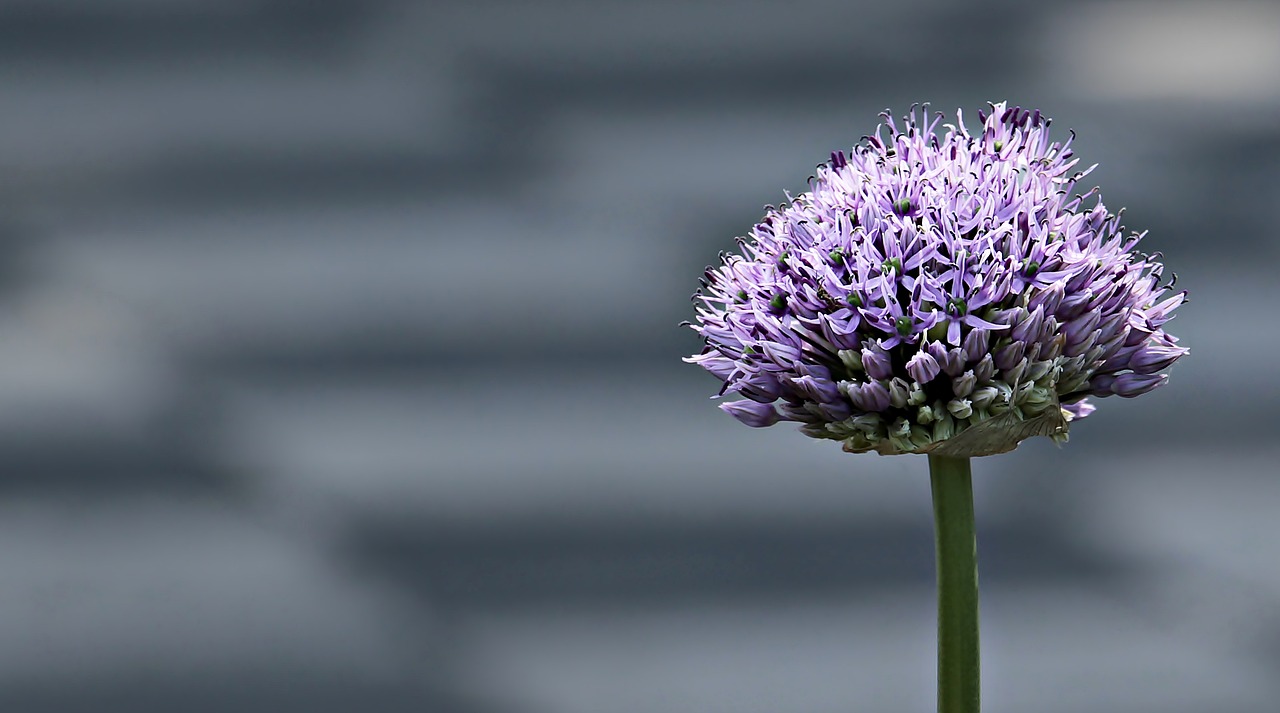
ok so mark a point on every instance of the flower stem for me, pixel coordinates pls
(956, 545)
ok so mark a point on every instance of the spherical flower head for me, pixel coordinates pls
(938, 290)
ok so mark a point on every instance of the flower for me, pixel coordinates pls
(943, 292)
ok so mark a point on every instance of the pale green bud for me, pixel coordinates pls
(1014, 375)
(899, 392)
(1038, 399)
(985, 369)
(900, 436)
(921, 436)
(1038, 369)
(944, 427)
(859, 442)
(1054, 350)
(851, 358)
(1002, 403)
(869, 423)
(1072, 383)
(983, 397)
(960, 408)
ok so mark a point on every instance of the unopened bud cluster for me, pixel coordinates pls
(936, 291)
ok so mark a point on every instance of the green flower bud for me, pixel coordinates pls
(985, 369)
(869, 423)
(944, 427)
(960, 408)
(920, 437)
(859, 442)
(1038, 399)
(851, 358)
(983, 397)
(900, 436)
(899, 392)
(1014, 375)
(1037, 370)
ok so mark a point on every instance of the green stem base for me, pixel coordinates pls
(956, 545)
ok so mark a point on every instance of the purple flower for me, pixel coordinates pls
(923, 367)
(875, 361)
(753, 414)
(1079, 409)
(936, 280)
(1153, 357)
(1127, 385)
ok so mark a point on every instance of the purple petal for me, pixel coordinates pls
(1130, 385)
(1078, 329)
(871, 397)
(1079, 409)
(756, 415)
(818, 390)
(953, 332)
(1010, 354)
(1151, 358)
(976, 343)
(977, 322)
(923, 367)
(1028, 329)
(876, 363)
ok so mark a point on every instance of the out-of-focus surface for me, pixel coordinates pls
(339, 363)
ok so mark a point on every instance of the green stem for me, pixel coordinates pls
(956, 544)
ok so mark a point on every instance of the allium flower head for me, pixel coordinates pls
(937, 291)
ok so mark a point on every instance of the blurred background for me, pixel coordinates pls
(339, 363)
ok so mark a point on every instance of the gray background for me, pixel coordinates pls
(339, 366)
